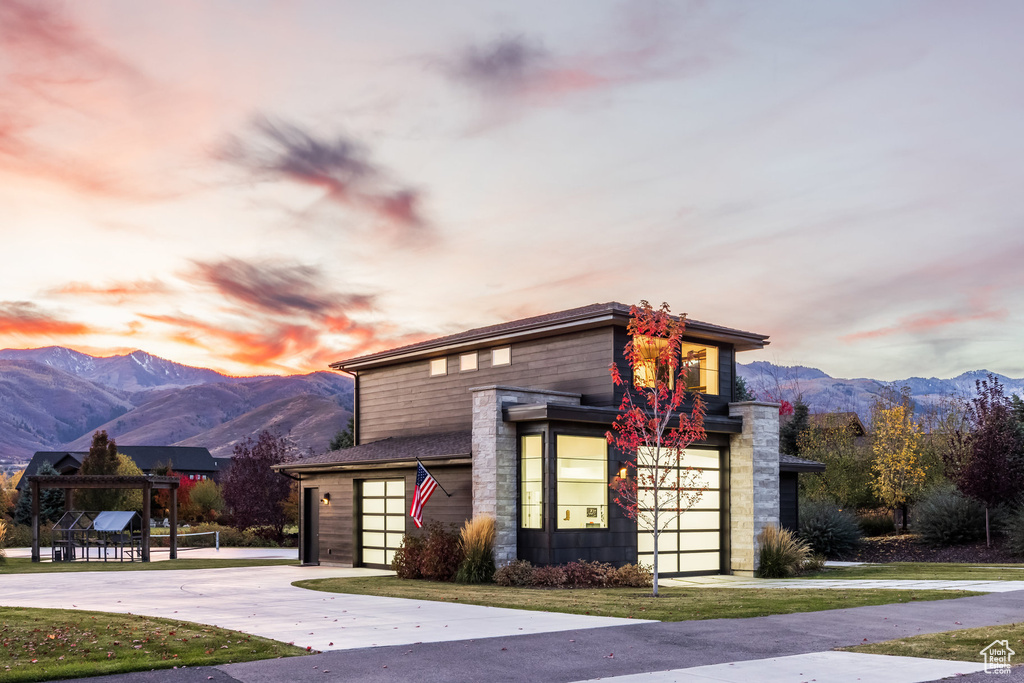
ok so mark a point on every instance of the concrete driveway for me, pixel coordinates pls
(262, 601)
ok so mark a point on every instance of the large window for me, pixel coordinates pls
(581, 465)
(647, 369)
(701, 370)
(531, 480)
(690, 541)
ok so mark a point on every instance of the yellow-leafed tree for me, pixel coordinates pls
(896, 444)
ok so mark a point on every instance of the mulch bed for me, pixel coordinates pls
(906, 548)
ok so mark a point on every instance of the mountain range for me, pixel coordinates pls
(54, 398)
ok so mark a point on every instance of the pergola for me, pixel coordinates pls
(70, 482)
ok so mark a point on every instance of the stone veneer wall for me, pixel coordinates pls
(496, 460)
(753, 480)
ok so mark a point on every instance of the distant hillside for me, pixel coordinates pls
(823, 393)
(56, 398)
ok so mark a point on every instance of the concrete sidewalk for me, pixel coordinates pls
(262, 601)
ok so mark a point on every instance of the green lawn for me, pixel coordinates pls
(20, 565)
(947, 571)
(50, 644)
(964, 645)
(674, 604)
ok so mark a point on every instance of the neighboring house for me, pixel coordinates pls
(191, 461)
(790, 468)
(511, 420)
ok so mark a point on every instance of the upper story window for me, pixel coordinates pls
(501, 356)
(699, 371)
(467, 362)
(438, 367)
(647, 369)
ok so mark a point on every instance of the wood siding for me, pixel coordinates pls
(789, 513)
(403, 400)
(339, 521)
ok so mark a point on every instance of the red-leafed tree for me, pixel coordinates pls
(251, 489)
(987, 463)
(649, 430)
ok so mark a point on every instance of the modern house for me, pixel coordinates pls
(192, 461)
(511, 420)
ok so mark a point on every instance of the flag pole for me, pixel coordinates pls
(435, 481)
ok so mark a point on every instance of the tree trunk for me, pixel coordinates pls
(904, 517)
(988, 536)
(656, 534)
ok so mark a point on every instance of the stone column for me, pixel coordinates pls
(753, 481)
(496, 460)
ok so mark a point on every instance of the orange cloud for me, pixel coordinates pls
(118, 292)
(925, 323)
(25, 319)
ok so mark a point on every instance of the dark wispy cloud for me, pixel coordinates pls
(649, 40)
(26, 319)
(341, 166)
(279, 288)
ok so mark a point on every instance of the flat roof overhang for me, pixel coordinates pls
(364, 465)
(537, 412)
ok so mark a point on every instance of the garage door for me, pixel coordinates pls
(690, 543)
(383, 520)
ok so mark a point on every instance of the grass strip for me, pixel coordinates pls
(674, 604)
(51, 644)
(964, 645)
(22, 565)
(941, 571)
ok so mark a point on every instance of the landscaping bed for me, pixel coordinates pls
(908, 548)
(673, 604)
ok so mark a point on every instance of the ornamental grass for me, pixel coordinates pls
(477, 542)
(781, 554)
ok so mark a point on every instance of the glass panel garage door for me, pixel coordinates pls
(691, 541)
(383, 520)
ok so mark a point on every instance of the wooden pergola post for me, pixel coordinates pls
(174, 524)
(147, 504)
(34, 485)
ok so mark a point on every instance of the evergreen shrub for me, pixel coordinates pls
(829, 531)
(946, 517)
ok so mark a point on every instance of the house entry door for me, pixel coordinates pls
(311, 526)
(383, 521)
(691, 541)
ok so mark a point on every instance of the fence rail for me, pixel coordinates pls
(215, 534)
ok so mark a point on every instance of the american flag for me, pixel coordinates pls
(425, 486)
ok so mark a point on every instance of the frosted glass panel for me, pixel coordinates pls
(373, 556)
(645, 543)
(668, 541)
(701, 458)
(396, 488)
(708, 501)
(373, 505)
(697, 519)
(373, 538)
(668, 562)
(395, 540)
(396, 506)
(373, 488)
(708, 478)
(395, 523)
(389, 556)
(373, 522)
(699, 540)
(699, 562)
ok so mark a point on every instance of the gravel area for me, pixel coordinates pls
(906, 548)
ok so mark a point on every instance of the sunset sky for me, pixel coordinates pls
(265, 187)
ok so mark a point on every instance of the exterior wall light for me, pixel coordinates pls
(326, 500)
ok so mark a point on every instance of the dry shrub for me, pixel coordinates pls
(515, 573)
(550, 576)
(583, 574)
(408, 558)
(3, 535)
(631, 575)
(781, 553)
(442, 553)
(477, 544)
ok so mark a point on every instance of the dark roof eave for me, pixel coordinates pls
(715, 424)
(341, 466)
(586, 318)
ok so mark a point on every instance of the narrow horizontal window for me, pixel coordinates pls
(438, 366)
(501, 356)
(467, 362)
